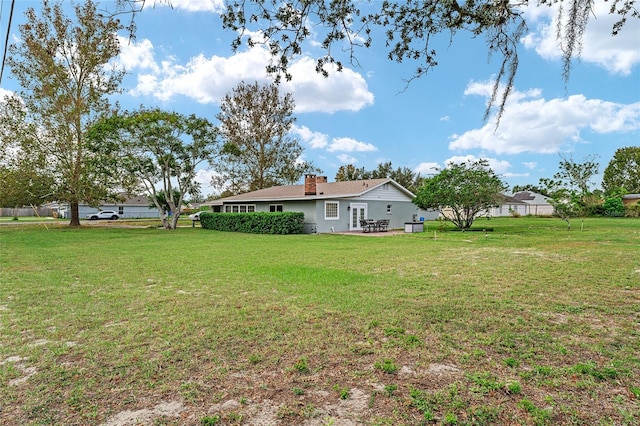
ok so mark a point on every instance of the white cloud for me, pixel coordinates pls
(4, 92)
(485, 88)
(511, 175)
(530, 164)
(203, 177)
(533, 124)
(498, 166)
(194, 5)
(313, 139)
(136, 55)
(350, 145)
(347, 159)
(341, 145)
(208, 79)
(345, 90)
(204, 79)
(427, 168)
(617, 54)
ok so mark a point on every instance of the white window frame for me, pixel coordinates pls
(389, 207)
(326, 204)
(276, 208)
(237, 208)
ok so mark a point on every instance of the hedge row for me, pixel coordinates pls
(255, 223)
(632, 211)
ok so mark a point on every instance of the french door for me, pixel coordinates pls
(358, 212)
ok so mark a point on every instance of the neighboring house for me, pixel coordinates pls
(537, 204)
(630, 199)
(523, 203)
(133, 207)
(509, 206)
(332, 206)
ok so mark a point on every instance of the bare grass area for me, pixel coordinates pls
(529, 324)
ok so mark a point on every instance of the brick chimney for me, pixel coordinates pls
(309, 184)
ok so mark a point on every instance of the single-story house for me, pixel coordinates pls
(537, 204)
(132, 207)
(332, 206)
(523, 203)
(630, 199)
(509, 206)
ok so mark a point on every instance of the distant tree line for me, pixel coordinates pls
(402, 175)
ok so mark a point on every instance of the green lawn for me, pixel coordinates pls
(527, 324)
(10, 219)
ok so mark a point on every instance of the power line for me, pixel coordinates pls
(6, 41)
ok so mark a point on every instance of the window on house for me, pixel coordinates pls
(240, 208)
(275, 208)
(331, 211)
(120, 210)
(388, 208)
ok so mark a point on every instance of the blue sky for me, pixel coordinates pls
(181, 60)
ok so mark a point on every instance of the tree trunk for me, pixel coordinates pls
(165, 220)
(174, 221)
(75, 214)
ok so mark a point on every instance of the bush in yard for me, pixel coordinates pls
(632, 211)
(254, 223)
(613, 207)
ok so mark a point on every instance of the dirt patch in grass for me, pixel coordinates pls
(164, 410)
(20, 364)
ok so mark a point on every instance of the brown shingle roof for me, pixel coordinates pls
(523, 196)
(323, 190)
(506, 199)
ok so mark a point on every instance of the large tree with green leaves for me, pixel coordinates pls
(258, 151)
(461, 191)
(409, 28)
(623, 172)
(26, 179)
(24, 184)
(157, 151)
(571, 188)
(62, 65)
